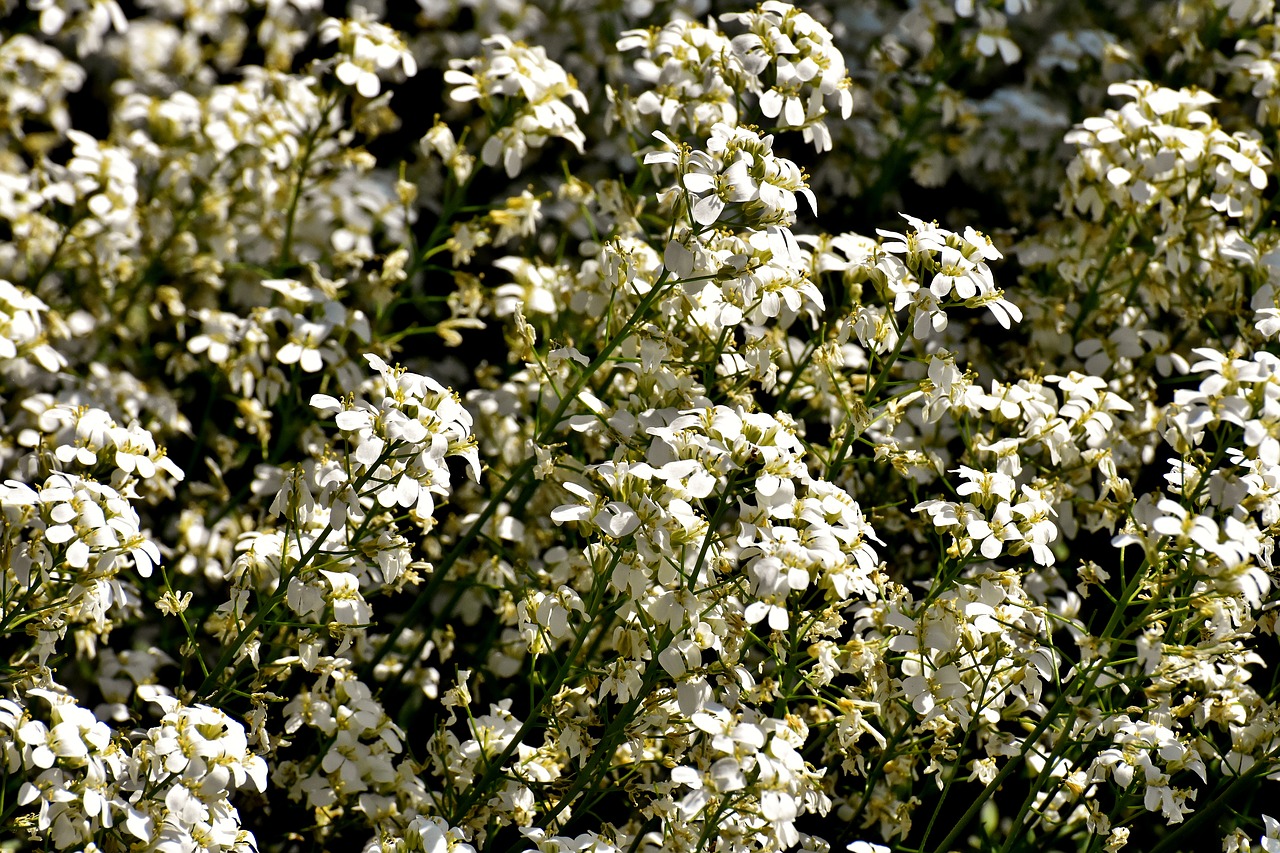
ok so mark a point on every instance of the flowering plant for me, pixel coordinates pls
(603, 428)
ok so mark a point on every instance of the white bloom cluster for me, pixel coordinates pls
(37, 81)
(169, 790)
(922, 272)
(86, 22)
(76, 533)
(998, 522)
(72, 524)
(534, 96)
(75, 765)
(363, 742)
(24, 340)
(743, 532)
(367, 48)
(794, 533)
(1164, 138)
(738, 167)
(786, 61)
(1136, 745)
(187, 768)
(807, 68)
(399, 445)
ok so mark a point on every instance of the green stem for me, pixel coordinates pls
(1081, 685)
(1090, 300)
(308, 149)
(207, 686)
(423, 598)
(535, 715)
(609, 740)
(851, 433)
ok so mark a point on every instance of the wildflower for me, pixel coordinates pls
(367, 48)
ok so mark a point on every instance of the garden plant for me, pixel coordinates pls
(624, 426)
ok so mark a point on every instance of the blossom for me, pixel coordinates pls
(543, 94)
(1271, 840)
(368, 48)
(738, 168)
(729, 533)
(402, 441)
(926, 690)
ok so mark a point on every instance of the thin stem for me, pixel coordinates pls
(421, 600)
(535, 715)
(308, 149)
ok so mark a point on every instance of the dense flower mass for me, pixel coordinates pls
(662, 426)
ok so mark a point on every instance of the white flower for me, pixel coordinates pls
(1271, 838)
(986, 484)
(932, 687)
(349, 606)
(368, 49)
(737, 168)
(866, 847)
(23, 338)
(995, 531)
(807, 67)
(400, 444)
(542, 94)
(305, 346)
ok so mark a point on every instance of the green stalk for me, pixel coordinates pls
(308, 149)
(1087, 679)
(423, 598)
(228, 656)
(535, 716)
(610, 739)
(836, 461)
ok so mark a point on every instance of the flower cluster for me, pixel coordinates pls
(531, 94)
(786, 60)
(459, 427)
(169, 791)
(399, 445)
(367, 47)
(738, 167)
